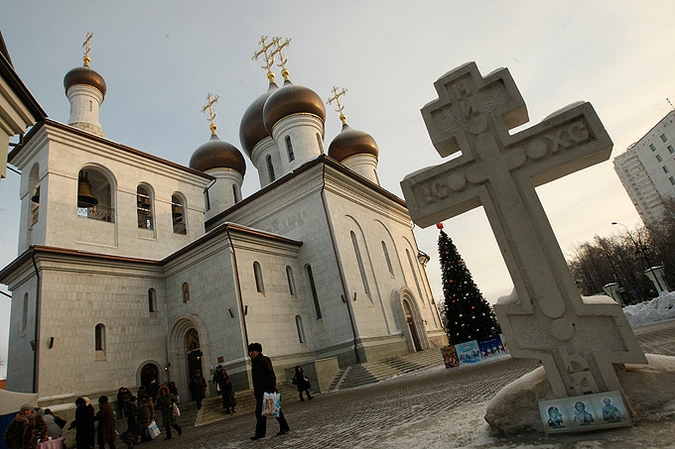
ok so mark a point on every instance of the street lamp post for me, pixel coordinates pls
(640, 248)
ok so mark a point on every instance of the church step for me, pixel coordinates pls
(372, 372)
(212, 407)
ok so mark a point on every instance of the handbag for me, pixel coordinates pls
(271, 405)
(176, 410)
(153, 429)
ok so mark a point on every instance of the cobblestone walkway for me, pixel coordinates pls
(366, 416)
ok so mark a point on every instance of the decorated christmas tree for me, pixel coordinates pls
(468, 315)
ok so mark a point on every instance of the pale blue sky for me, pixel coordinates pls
(161, 58)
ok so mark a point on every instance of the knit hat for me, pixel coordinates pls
(26, 407)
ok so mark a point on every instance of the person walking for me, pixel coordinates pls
(84, 423)
(264, 381)
(123, 397)
(302, 382)
(165, 403)
(146, 412)
(198, 388)
(229, 401)
(25, 429)
(106, 423)
(133, 418)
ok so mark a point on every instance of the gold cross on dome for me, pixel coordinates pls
(269, 57)
(282, 60)
(87, 49)
(340, 107)
(210, 101)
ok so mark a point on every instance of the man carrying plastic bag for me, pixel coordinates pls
(264, 381)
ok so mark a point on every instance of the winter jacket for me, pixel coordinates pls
(24, 431)
(106, 424)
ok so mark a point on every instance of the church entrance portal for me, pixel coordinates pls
(411, 325)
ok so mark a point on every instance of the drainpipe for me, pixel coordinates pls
(345, 294)
(38, 307)
(242, 309)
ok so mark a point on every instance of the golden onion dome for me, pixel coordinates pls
(252, 127)
(292, 99)
(84, 75)
(350, 142)
(217, 154)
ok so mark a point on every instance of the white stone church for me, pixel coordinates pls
(131, 267)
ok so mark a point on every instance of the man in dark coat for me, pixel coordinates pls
(198, 388)
(84, 423)
(264, 381)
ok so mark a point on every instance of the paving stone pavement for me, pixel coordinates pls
(367, 416)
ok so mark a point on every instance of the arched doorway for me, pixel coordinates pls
(188, 350)
(409, 319)
(411, 325)
(148, 373)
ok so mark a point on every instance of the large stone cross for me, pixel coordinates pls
(578, 340)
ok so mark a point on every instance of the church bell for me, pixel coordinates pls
(176, 212)
(36, 198)
(85, 198)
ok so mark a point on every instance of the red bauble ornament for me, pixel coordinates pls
(439, 225)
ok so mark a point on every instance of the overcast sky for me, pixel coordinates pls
(161, 58)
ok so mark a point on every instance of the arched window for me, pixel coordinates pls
(99, 337)
(178, 215)
(301, 329)
(386, 257)
(34, 181)
(270, 168)
(359, 262)
(152, 300)
(94, 196)
(312, 287)
(257, 273)
(319, 140)
(24, 321)
(207, 200)
(291, 280)
(289, 148)
(144, 208)
(414, 272)
(236, 193)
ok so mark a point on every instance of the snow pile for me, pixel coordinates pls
(658, 309)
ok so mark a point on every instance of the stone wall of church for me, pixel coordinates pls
(303, 210)
(295, 210)
(79, 295)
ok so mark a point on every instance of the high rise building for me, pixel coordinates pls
(647, 170)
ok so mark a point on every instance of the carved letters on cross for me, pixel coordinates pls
(577, 340)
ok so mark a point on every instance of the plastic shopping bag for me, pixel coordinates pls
(271, 405)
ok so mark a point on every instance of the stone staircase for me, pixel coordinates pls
(372, 372)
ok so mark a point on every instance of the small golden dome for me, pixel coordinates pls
(292, 99)
(217, 154)
(350, 142)
(84, 75)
